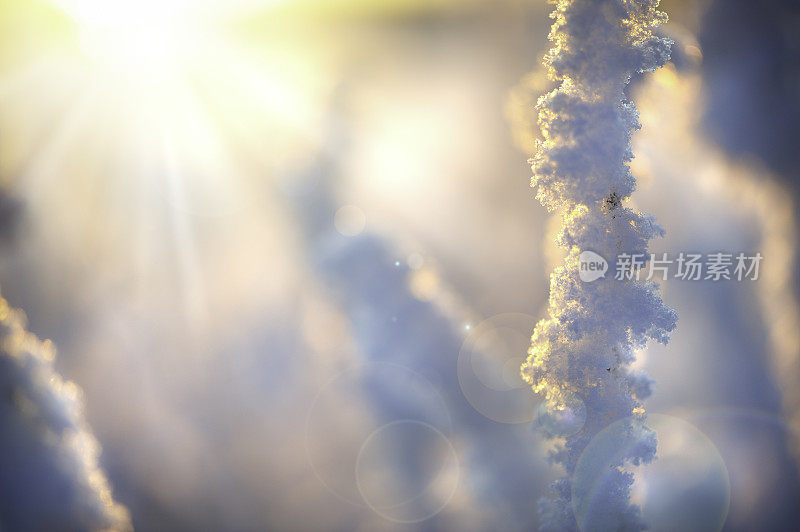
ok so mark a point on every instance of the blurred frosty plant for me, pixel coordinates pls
(50, 476)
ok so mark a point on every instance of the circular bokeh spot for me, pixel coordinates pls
(352, 405)
(489, 368)
(685, 488)
(407, 471)
(415, 261)
(350, 220)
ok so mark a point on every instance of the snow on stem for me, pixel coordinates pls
(580, 354)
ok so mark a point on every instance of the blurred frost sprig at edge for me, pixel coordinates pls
(45, 436)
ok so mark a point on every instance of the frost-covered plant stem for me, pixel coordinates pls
(580, 354)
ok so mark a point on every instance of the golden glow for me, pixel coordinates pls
(139, 37)
(424, 284)
(134, 121)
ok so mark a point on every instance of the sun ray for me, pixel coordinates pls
(183, 238)
(43, 166)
